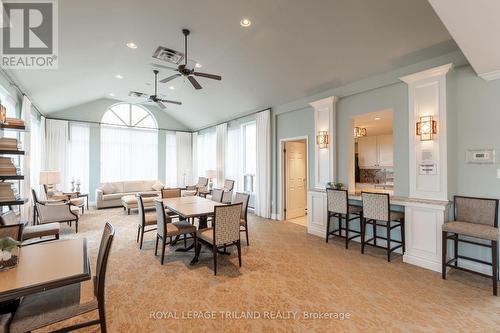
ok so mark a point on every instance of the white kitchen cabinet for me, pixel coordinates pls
(375, 152)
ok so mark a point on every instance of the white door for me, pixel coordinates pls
(367, 151)
(296, 179)
(385, 151)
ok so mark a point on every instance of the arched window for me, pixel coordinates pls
(129, 144)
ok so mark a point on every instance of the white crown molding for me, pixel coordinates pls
(324, 102)
(433, 72)
(489, 76)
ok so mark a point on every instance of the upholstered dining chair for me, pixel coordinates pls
(217, 194)
(14, 231)
(201, 186)
(147, 221)
(339, 207)
(32, 231)
(170, 193)
(50, 212)
(243, 198)
(228, 187)
(5, 322)
(224, 232)
(476, 218)
(165, 228)
(51, 306)
(377, 213)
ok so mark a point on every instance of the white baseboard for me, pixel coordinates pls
(422, 262)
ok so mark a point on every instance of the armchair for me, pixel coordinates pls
(31, 231)
(54, 211)
(193, 190)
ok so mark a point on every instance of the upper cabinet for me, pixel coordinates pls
(375, 152)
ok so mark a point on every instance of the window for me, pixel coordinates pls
(129, 144)
(206, 151)
(249, 156)
(171, 160)
(78, 162)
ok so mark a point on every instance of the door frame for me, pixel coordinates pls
(282, 172)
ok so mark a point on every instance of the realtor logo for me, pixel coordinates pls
(29, 34)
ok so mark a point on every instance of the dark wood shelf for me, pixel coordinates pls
(12, 127)
(11, 152)
(17, 202)
(13, 177)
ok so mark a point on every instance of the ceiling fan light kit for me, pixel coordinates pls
(154, 98)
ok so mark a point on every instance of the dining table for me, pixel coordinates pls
(46, 266)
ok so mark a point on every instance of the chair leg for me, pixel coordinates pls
(238, 245)
(214, 248)
(455, 246)
(494, 257)
(388, 227)
(443, 254)
(327, 226)
(102, 318)
(156, 245)
(374, 231)
(246, 234)
(163, 245)
(403, 238)
(347, 231)
(142, 238)
(362, 229)
(138, 233)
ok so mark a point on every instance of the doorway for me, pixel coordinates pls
(295, 181)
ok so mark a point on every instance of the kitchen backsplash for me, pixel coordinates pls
(376, 176)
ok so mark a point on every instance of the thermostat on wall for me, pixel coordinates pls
(481, 156)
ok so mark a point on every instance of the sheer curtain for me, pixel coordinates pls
(36, 152)
(263, 169)
(79, 152)
(206, 152)
(171, 160)
(128, 154)
(26, 184)
(234, 157)
(57, 149)
(194, 154)
(184, 158)
(220, 151)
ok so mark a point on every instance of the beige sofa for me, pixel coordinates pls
(110, 194)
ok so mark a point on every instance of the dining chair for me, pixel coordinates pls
(243, 198)
(5, 322)
(14, 231)
(165, 228)
(475, 218)
(32, 231)
(224, 232)
(377, 213)
(228, 187)
(147, 221)
(54, 211)
(55, 305)
(170, 193)
(338, 207)
(217, 194)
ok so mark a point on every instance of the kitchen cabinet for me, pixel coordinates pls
(375, 152)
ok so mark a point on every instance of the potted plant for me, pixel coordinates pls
(335, 185)
(9, 253)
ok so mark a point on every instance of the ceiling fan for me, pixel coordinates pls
(187, 69)
(154, 98)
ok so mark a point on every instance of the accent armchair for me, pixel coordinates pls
(31, 231)
(193, 190)
(54, 211)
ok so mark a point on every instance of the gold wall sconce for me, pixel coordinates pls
(359, 132)
(426, 128)
(322, 139)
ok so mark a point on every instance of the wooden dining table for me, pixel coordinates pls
(192, 207)
(46, 266)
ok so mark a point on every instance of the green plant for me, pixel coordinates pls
(8, 243)
(335, 185)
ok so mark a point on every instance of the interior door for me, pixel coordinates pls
(385, 151)
(295, 179)
(367, 152)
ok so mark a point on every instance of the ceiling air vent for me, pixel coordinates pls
(168, 55)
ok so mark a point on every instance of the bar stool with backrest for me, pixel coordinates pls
(147, 221)
(377, 213)
(476, 218)
(243, 198)
(339, 207)
(52, 306)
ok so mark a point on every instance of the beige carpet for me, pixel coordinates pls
(285, 270)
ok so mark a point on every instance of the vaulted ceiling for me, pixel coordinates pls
(293, 48)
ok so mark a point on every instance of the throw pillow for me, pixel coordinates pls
(108, 188)
(158, 186)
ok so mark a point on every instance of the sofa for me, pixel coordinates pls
(122, 194)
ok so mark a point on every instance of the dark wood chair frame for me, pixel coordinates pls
(141, 229)
(24, 224)
(215, 248)
(36, 214)
(347, 217)
(245, 228)
(19, 226)
(453, 262)
(398, 224)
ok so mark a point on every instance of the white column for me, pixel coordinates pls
(324, 159)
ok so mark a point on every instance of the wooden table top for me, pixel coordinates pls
(46, 266)
(192, 206)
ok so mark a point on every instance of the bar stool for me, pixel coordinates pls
(377, 213)
(338, 206)
(476, 218)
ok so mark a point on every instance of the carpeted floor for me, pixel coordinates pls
(285, 273)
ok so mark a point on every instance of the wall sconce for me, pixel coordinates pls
(359, 132)
(322, 139)
(426, 128)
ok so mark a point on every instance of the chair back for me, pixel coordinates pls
(8, 218)
(161, 219)
(170, 193)
(202, 182)
(337, 201)
(476, 210)
(35, 197)
(375, 206)
(227, 196)
(140, 210)
(102, 261)
(14, 231)
(227, 224)
(217, 194)
(242, 198)
(228, 185)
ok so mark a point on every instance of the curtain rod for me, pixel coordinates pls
(232, 119)
(124, 126)
(11, 81)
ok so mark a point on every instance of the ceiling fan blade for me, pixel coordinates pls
(195, 83)
(165, 80)
(208, 76)
(164, 67)
(138, 94)
(161, 105)
(169, 101)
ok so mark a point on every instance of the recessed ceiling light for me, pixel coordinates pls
(378, 118)
(119, 76)
(111, 94)
(245, 23)
(171, 87)
(198, 65)
(132, 45)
